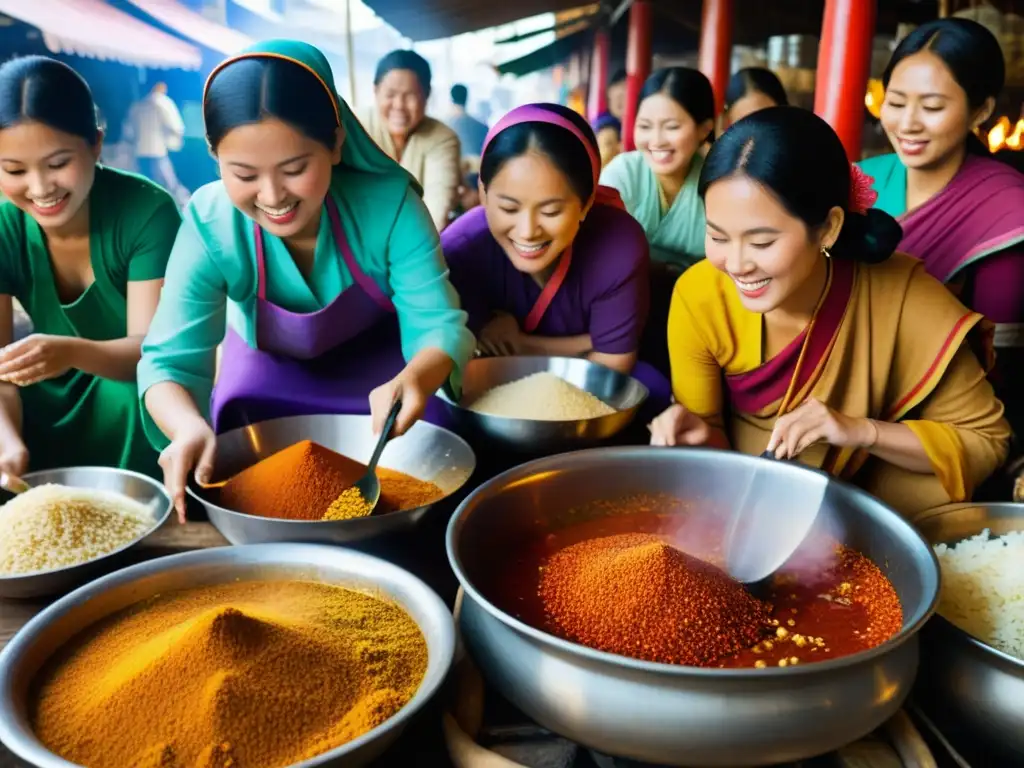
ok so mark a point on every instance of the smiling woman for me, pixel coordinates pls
(551, 263)
(316, 253)
(832, 349)
(961, 210)
(83, 248)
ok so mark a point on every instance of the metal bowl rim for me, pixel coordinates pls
(428, 599)
(677, 670)
(353, 523)
(962, 634)
(162, 518)
(644, 394)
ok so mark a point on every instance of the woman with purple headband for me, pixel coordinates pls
(551, 263)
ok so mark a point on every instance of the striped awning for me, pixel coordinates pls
(194, 26)
(93, 29)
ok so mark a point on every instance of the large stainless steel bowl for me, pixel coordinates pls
(674, 715)
(426, 452)
(974, 686)
(622, 392)
(135, 486)
(26, 653)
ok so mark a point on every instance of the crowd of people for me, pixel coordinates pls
(771, 295)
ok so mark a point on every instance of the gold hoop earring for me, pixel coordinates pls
(825, 252)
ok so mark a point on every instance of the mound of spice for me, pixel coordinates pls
(307, 481)
(249, 674)
(635, 595)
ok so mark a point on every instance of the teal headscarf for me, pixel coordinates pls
(359, 151)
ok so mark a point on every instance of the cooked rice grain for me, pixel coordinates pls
(541, 397)
(52, 526)
(983, 588)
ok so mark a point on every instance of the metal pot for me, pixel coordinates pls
(426, 452)
(974, 686)
(624, 393)
(134, 485)
(674, 715)
(29, 650)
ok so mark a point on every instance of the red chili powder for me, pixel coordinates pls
(636, 595)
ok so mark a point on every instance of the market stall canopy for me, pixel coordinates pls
(432, 19)
(194, 26)
(93, 29)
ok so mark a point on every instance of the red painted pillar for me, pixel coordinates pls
(844, 63)
(598, 100)
(716, 46)
(638, 65)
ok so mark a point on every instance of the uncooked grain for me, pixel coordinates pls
(983, 588)
(541, 397)
(53, 526)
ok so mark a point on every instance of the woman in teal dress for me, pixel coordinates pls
(658, 184)
(83, 249)
(314, 261)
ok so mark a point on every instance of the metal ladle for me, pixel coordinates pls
(369, 483)
(767, 527)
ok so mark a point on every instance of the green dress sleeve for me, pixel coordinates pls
(189, 324)
(152, 248)
(12, 251)
(427, 304)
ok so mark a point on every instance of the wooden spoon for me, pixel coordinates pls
(13, 483)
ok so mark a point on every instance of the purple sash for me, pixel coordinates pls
(326, 361)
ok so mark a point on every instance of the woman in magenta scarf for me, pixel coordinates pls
(962, 212)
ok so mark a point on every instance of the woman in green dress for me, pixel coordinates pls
(83, 249)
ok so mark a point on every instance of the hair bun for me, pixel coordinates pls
(870, 237)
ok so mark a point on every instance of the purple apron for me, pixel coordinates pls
(322, 362)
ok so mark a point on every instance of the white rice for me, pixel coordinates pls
(541, 397)
(53, 526)
(983, 588)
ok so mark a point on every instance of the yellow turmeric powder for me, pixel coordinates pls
(349, 505)
(246, 675)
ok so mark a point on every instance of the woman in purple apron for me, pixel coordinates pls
(313, 260)
(551, 263)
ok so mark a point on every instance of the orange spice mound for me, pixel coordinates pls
(302, 481)
(635, 595)
(239, 675)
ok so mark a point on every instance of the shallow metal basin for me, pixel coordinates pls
(624, 393)
(26, 653)
(426, 452)
(971, 684)
(674, 715)
(134, 485)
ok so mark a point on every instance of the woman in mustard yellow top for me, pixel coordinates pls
(804, 334)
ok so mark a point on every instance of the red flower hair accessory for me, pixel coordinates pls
(862, 193)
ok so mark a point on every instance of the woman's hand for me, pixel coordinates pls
(414, 396)
(194, 446)
(678, 426)
(814, 422)
(13, 458)
(36, 358)
(501, 337)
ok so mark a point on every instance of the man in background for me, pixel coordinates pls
(617, 95)
(471, 131)
(154, 127)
